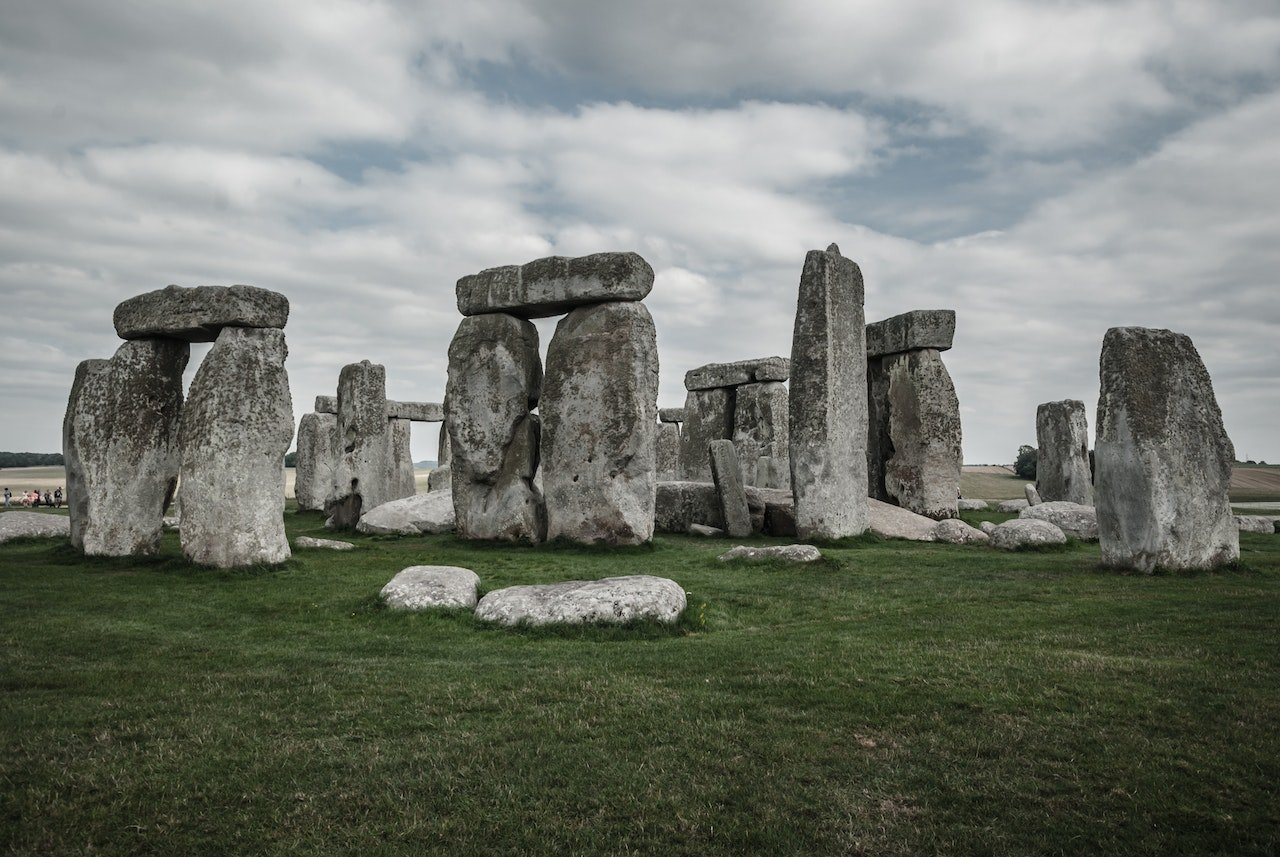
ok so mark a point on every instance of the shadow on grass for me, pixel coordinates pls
(64, 554)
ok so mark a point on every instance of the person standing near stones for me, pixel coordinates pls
(57, 497)
(8, 495)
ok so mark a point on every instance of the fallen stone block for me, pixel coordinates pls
(1012, 507)
(322, 544)
(432, 587)
(966, 505)
(1074, 519)
(33, 525)
(421, 514)
(894, 522)
(613, 601)
(1255, 524)
(1026, 533)
(957, 532)
(705, 531)
(772, 553)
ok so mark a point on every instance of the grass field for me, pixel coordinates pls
(899, 698)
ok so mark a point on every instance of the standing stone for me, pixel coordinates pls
(120, 445)
(235, 430)
(400, 471)
(708, 417)
(667, 451)
(727, 474)
(828, 399)
(361, 479)
(495, 378)
(1062, 468)
(1163, 456)
(1033, 496)
(317, 460)
(599, 415)
(760, 428)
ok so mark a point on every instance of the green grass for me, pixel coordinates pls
(899, 698)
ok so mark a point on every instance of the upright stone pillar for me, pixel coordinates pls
(235, 430)
(667, 451)
(760, 419)
(828, 400)
(1062, 467)
(726, 472)
(317, 459)
(400, 473)
(1163, 457)
(361, 478)
(708, 416)
(599, 415)
(120, 445)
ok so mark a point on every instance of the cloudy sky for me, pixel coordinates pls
(1047, 169)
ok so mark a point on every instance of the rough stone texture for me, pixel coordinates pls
(444, 447)
(1033, 496)
(599, 416)
(670, 415)
(440, 479)
(235, 429)
(400, 471)
(555, 285)
(420, 514)
(327, 405)
(495, 377)
(322, 544)
(708, 417)
(679, 504)
(171, 522)
(965, 505)
(894, 522)
(1012, 507)
(987, 527)
(361, 478)
(418, 412)
(199, 314)
(1074, 519)
(705, 531)
(667, 451)
(613, 600)
(726, 473)
(828, 399)
(430, 587)
(120, 446)
(715, 375)
(760, 428)
(932, 329)
(32, 525)
(773, 472)
(1163, 457)
(1255, 524)
(957, 532)
(1025, 533)
(1062, 465)
(772, 553)
(317, 460)
(913, 439)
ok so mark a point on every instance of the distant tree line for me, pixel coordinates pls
(1025, 464)
(30, 459)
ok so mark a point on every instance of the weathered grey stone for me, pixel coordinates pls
(327, 405)
(421, 514)
(773, 472)
(317, 460)
(322, 544)
(670, 415)
(987, 527)
(667, 451)
(432, 587)
(401, 476)
(33, 525)
(894, 522)
(705, 531)
(966, 505)
(1075, 519)
(199, 314)
(1033, 496)
(708, 417)
(555, 285)
(828, 401)
(1026, 533)
(418, 412)
(760, 429)
(726, 473)
(772, 553)
(599, 416)
(495, 377)
(957, 532)
(234, 432)
(1012, 507)
(679, 504)
(715, 375)
(1163, 456)
(1062, 464)
(1255, 524)
(362, 475)
(444, 447)
(120, 446)
(613, 600)
(440, 479)
(919, 329)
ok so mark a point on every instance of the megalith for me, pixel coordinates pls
(599, 411)
(199, 314)
(828, 399)
(317, 459)
(120, 446)
(555, 285)
(760, 430)
(667, 451)
(361, 478)
(708, 416)
(726, 472)
(234, 432)
(400, 473)
(1062, 465)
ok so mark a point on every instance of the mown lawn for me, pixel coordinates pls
(898, 699)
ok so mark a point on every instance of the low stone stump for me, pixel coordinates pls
(894, 522)
(429, 587)
(421, 514)
(1012, 507)
(1026, 533)
(1074, 519)
(613, 601)
(1255, 524)
(956, 532)
(772, 553)
(322, 544)
(973, 505)
(33, 525)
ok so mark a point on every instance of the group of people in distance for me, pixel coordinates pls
(35, 498)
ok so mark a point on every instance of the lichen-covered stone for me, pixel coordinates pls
(1255, 524)
(422, 514)
(967, 505)
(1033, 496)
(612, 601)
(677, 505)
(440, 479)
(401, 475)
(932, 329)
(1012, 507)
(362, 476)
(758, 370)
(957, 532)
(760, 430)
(1062, 463)
(317, 460)
(555, 285)
(727, 476)
(33, 525)
(1023, 533)
(234, 432)
(894, 522)
(670, 415)
(1075, 519)
(599, 414)
(772, 553)
(432, 587)
(327, 405)
(667, 451)
(307, 542)
(1163, 457)
(418, 412)
(199, 314)
(708, 417)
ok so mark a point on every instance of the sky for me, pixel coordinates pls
(1047, 169)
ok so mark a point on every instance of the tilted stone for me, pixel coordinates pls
(327, 405)
(362, 477)
(894, 522)
(670, 415)
(922, 328)
(317, 460)
(667, 451)
(828, 399)
(708, 417)
(199, 314)
(677, 505)
(1033, 496)
(234, 431)
(599, 416)
(555, 285)
(422, 514)
(612, 601)
(418, 412)
(432, 587)
(727, 476)
(444, 447)
(715, 375)
(1163, 457)
(1062, 463)
(120, 446)
(760, 429)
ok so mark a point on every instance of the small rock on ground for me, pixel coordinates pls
(425, 587)
(1012, 507)
(957, 532)
(1255, 523)
(613, 600)
(704, 530)
(972, 505)
(786, 553)
(327, 544)
(1024, 533)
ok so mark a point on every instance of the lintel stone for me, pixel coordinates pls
(911, 331)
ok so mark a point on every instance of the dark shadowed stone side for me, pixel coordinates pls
(1062, 465)
(555, 285)
(923, 473)
(317, 460)
(120, 446)
(727, 476)
(679, 505)
(715, 375)
(828, 399)
(599, 414)
(879, 443)
(708, 417)
(760, 429)
(921, 328)
(400, 472)
(199, 314)
(235, 429)
(1163, 456)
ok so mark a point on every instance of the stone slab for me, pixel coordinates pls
(612, 601)
(772, 553)
(670, 415)
(555, 285)
(432, 587)
(418, 412)
(326, 405)
(715, 375)
(322, 544)
(708, 417)
(726, 474)
(921, 328)
(1021, 533)
(1075, 519)
(1062, 462)
(422, 514)
(199, 314)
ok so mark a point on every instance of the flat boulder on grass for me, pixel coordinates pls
(779, 553)
(323, 544)
(956, 532)
(427, 587)
(1074, 519)
(1012, 507)
(1255, 523)
(1023, 533)
(611, 601)
(33, 525)
(894, 522)
(429, 514)
(705, 531)
(972, 505)
(199, 314)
